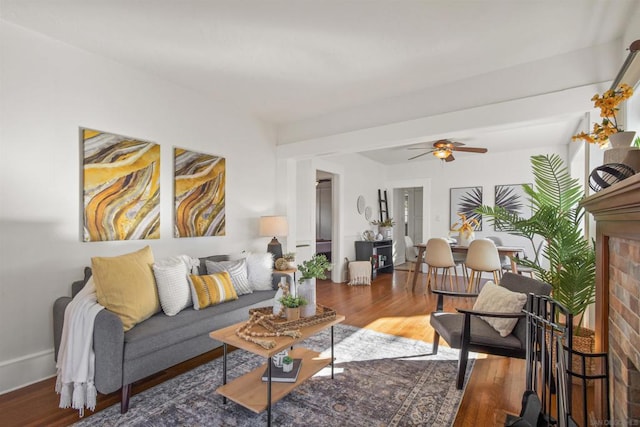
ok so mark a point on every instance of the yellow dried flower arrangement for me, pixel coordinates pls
(465, 225)
(608, 104)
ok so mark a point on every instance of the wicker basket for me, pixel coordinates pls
(584, 343)
(323, 314)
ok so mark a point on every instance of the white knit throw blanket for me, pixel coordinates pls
(76, 359)
(360, 273)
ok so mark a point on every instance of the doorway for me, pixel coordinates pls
(324, 214)
(408, 203)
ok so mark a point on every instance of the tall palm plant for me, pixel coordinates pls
(556, 219)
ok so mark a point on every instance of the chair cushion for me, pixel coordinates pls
(449, 326)
(525, 285)
(497, 299)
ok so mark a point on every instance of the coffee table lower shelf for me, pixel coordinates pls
(251, 392)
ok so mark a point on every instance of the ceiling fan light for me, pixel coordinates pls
(442, 153)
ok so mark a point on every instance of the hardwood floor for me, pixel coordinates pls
(495, 387)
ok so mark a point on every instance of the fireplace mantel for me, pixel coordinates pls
(616, 210)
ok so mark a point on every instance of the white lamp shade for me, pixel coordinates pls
(273, 226)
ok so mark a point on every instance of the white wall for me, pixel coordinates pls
(354, 175)
(47, 91)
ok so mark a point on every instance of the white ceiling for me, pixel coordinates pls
(288, 60)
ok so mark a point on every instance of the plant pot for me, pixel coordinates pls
(387, 232)
(307, 290)
(621, 139)
(583, 341)
(621, 151)
(287, 367)
(466, 237)
(293, 313)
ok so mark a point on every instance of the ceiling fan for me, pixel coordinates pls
(443, 149)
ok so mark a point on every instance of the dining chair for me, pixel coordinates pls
(506, 262)
(410, 250)
(482, 256)
(438, 256)
(459, 258)
(410, 256)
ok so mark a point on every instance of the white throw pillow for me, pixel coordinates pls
(236, 269)
(496, 299)
(171, 276)
(259, 270)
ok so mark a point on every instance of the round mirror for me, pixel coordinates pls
(360, 204)
(367, 213)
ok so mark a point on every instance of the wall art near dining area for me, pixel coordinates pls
(464, 201)
(513, 199)
(121, 187)
(199, 194)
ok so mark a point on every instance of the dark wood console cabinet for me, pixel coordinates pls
(382, 249)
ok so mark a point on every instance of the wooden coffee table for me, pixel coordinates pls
(249, 390)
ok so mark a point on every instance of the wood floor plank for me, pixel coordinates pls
(495, 387)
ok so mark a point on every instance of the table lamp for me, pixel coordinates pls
(274, 226)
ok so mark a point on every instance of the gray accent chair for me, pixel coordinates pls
(158, 342)
(466, 331)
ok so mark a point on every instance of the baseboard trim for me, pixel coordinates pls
(26, 370)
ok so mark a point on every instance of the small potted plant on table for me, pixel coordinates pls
(315, 268)
(292, 306)
(287, 364)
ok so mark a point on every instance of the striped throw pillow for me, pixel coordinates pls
(236, 269)
(211, 289)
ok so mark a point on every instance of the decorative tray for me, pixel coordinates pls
(281, 324)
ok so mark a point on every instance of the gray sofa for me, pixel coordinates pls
(158, 342)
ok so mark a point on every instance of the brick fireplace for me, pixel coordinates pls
(617, 213)
(624, 323)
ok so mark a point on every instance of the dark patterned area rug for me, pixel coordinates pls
(380, 380)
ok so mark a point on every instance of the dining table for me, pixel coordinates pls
(509, 251)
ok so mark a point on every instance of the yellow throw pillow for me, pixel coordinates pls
(211, 289)
(125, 285)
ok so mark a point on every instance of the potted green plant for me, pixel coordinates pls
(287, 364)
(292, 306)
(309, 271)
(385, 227)
(563, 258)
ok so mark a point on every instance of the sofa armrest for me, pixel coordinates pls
(108, 344)
(59, 306)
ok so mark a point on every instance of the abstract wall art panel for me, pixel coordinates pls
(121, 187)
(513, 199)
(465, 200)
(199, 194)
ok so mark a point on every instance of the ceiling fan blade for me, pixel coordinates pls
(419, 155)
(457, 144)
(470, 149)
(419, 148)
(449, 158)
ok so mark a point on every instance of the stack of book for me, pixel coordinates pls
(279, 376)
